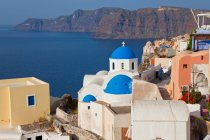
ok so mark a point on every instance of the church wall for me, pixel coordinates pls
(84, 115)
(117, 100)
(108, 130)
(87, 79)
(92, 89)
(117, 133)
(97, 118)
(127, 64)
(135, 65)
(122, 120)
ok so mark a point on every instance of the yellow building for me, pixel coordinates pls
(23, 101)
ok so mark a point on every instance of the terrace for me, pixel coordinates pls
(203, 28)
(20, 82)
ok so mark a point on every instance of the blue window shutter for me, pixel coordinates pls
(31, 100)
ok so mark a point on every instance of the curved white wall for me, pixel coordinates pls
(117, 100)
(92, 89)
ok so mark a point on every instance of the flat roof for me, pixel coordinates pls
(204, 14)
(20, 82)
(35, 127)
(121, 109)
(116, 109)
(7, 133)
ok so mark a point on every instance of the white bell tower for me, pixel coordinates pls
(123, 58)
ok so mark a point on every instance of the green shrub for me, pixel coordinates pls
(189, 47)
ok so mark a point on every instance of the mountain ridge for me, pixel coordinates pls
(119, 23)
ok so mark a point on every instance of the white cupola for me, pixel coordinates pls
(123, 58)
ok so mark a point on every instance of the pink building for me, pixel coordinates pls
(182, 71)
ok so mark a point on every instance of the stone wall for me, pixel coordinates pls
(75, 132)
(81, 133)
(71, 118)
(63, 115)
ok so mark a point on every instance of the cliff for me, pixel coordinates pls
(117, 23)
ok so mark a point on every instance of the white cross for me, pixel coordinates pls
(123, 43)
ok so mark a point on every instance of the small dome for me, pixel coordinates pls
(123, 52)
(120, 84)
(89, 98)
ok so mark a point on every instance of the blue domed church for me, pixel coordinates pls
(106, 96)
(120, 105)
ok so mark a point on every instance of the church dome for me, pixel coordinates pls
(120, 84)
(89, 98)
(123, 52)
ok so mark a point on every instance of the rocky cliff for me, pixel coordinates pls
(116, 23)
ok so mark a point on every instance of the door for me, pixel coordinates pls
(124, 132)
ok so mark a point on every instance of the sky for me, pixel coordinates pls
(13, 12)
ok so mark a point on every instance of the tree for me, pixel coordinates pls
(189, 47)
(66, 101)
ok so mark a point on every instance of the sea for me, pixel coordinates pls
(61, 59)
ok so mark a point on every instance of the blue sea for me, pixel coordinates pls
(61, 59)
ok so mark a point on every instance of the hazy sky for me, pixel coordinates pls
(16, 11)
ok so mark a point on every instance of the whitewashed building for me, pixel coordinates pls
(105, 100)
(45, 136)
(162, 120)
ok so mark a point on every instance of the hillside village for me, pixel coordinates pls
(166, 97)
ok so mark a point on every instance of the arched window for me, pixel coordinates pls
(122, 66)
(113, 66)
(132, 66)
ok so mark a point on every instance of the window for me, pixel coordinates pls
(88, 107)
(39, 138)
(132, 65)
(113, 66)
(96, 114)
(28, 138)
(184, 66)
(31, 100)
(122, 66)
(201, 57)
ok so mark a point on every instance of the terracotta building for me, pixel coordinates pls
(189, 69)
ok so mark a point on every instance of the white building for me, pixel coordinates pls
(44, 136)
(105, 97)
(165, 63)
(104, 101)
(182, 45)
(162, 120)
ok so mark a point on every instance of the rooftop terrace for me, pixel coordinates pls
(203, 23)
(20, 82)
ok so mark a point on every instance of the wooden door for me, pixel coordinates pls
(124, 132)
